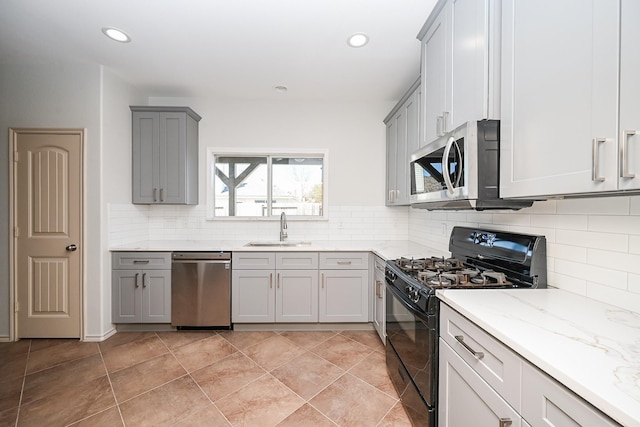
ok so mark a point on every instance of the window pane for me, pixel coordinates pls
(297, 186)
(240, 186)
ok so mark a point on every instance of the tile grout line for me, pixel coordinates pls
(113, 393)
(24, 381)
(193, 379)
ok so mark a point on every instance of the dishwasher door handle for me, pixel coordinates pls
(202, 261)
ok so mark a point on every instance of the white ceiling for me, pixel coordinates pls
(228, 48)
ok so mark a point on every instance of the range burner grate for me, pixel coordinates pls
(443, 272)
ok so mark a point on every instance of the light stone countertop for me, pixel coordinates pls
(591, 347)
(387, 249)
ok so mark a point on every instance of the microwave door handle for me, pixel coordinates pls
(460, 168)
(445, 165)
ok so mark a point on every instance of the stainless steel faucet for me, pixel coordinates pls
(283, 226)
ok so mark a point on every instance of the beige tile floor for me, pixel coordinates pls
(200, 379)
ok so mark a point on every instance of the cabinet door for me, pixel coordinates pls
(629, 95)
(465, 399)
(559, 97)
(397, 159)
(252, 296)
(145, 156)
(473, 77)
(379, 296)
(344, 296)
(126, 292)
(546, 402)
(297, 296)
(172, 157)
(436, 57)
(156, 296)
(392, 160)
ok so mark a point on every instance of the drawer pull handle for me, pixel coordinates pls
(141, 261)
(144, 276)
(477, 354)
(137, 285)
(344, 262)
(504, 422)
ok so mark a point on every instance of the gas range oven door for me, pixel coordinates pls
(412, 349)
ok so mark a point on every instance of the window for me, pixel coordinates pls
(264, 185)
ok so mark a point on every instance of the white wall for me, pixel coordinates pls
(72, 95)
(56, 96)
(593, 245)
(114, 187)
(353, 133)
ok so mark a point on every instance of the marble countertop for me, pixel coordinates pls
(387, 249)
(590, 347)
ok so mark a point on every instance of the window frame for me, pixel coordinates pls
(212, 152)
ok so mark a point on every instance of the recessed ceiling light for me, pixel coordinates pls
(358, 40)
(116, 34)
(280, 89)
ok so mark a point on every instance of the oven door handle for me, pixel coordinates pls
(408, 306)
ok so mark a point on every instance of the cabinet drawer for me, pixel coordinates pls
(494, 362)
(253, 260)
(296, 260)
(141, 260)
(344, 260)
(547, 402)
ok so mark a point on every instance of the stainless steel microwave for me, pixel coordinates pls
(461, 170)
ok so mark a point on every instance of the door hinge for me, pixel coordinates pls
(16, 232)
(17, 306)
(16, 156)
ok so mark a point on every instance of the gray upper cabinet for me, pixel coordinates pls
(560, 97)
(403, 135)
(165, 155)
(460, 66)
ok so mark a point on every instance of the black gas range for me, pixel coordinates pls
(480, 259)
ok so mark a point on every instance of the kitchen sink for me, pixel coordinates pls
(278, 244)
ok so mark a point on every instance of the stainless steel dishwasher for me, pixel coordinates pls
(201, 290)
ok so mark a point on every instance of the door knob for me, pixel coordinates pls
(72, 247)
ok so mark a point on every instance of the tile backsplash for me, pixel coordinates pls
(593, 245)
(175, 222)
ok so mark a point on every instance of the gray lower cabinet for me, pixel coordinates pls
(379, 297)
(268, 287)
(344, 287)
(141, 287)
(482, 382)
(165, 155)
(277, 287)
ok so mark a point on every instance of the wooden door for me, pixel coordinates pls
(47, 202)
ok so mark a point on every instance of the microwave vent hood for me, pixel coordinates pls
(470, 154)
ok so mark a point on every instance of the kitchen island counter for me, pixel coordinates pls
(590, 347)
